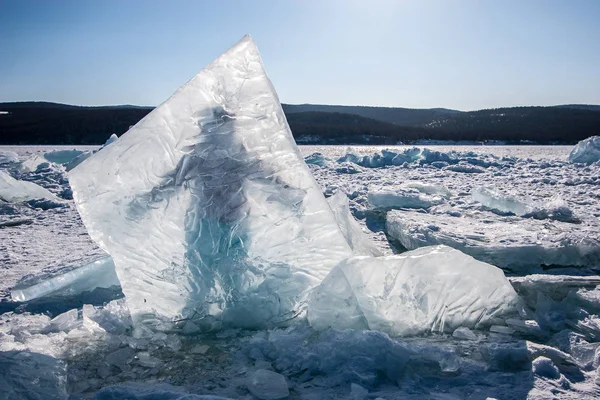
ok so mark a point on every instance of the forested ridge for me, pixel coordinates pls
(52, 123)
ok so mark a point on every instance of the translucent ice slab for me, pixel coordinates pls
(429, 289)
(518, 244)
(97, 274)
(402, 197)
(495, 200)
(207, 206)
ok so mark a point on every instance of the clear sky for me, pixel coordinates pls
(424, 53)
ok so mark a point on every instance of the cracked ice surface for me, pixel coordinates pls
(207, 206)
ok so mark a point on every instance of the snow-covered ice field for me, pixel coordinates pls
(231, 272)
(525, 209)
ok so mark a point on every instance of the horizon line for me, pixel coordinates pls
(312, 104)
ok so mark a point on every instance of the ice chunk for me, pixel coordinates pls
(32, 163)
(78, 160)
(317, 159)
(8, 157)
(62, 156)
(428, 188)
(514, 243)
(495, 200)
(587, 151)
(351, 229)
(544, 366)
(15, 191)
(268, 385)
(402, 198)
(465, 167)
(555, 208)
(464, 333)
(66, 321)
(207, 206)
(97, 274)
(113, 138)
(358, 392)
(431, 289)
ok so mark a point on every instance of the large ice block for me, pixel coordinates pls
(206, 205)
(587, 151)
(435, 288)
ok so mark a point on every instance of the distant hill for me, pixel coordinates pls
(396, 116)
(52, 123)
(591, 107)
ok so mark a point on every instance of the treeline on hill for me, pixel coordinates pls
(50, 123)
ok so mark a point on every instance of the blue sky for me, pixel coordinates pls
(446, 53)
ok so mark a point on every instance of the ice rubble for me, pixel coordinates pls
(517, 244)
(587, 151)
(433, 289)
(16, 191)
(215, 214)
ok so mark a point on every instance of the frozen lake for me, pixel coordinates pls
(522, 208)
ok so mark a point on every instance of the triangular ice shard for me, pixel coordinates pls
(206, 205)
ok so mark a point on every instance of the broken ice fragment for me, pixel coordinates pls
(429, 289)
(543, 366)
(587, 151)
(402, 198)
(62, 156)
(464, 333)
(268, 385)
(97, 274)
(16, 191)
(66, 321)
(207, 207)
(500, 202)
